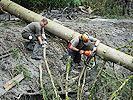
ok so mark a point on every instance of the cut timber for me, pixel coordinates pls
(103, 51)
(13, 81)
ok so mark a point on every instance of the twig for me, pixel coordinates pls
(64, 9)
(128, 53)
(79, 86)
(115, 72)
(67, 72)
(83, 85)
(119, 89)
(94, 82)
(80, 77)
(10, 73)
(49, 72)
(41, 83)
(125, 46)
(18, 98)
(131, 90)
(119, 80)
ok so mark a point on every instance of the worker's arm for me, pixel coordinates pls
(74, 42)
(97, 42)
(94, 49)
(78, 50)
(74, 48)
(44, 36)
(40, 40)
(94, 40)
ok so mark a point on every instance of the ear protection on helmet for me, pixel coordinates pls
(86, 33)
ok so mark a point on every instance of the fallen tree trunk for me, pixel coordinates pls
(103, 51)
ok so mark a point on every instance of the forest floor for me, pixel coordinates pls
(112, 32)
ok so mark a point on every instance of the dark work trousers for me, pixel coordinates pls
(32, 42)
(26, 35)
(76, 56)
(33, 45)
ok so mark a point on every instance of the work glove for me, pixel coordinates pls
(42, 45)
(81, 51)
(94, 49)
(46, 40)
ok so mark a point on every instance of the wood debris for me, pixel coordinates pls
(13, 81)
(5, 54)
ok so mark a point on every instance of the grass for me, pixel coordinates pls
(21, 68)
(114, 17)
(14, 52)
(6, 25)
(83, 20)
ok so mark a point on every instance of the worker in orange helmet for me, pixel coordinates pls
(83, 44)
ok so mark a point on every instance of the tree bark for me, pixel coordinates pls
(103, 51)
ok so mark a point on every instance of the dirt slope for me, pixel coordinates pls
(112, 32)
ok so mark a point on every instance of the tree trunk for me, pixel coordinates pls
(103, 51)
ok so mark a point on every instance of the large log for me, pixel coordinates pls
(103, 51)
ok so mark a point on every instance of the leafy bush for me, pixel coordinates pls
(101, 7)
(44, 4)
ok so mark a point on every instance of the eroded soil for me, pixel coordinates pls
(112, 32)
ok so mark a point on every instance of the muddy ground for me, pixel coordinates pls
(112, 32)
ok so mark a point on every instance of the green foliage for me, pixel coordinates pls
(44, 4)
(84, 20)
(17, 83)
(114, 95)
(126, 46)
(113, 17)
(21, 68)
(6, 25)
(108, 8)
(14, 52)
(111, 82)
(45, 74)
